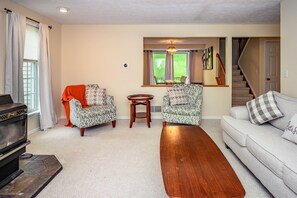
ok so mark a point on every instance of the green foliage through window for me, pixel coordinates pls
(180, 65)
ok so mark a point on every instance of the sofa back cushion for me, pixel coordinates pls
(290, 132)
(288, 106)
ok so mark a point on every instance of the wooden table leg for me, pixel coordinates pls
(134, 111)
(148, 114)
(149, 102)
(131, 115)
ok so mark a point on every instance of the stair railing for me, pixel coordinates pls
(242, 71)
(221, 73)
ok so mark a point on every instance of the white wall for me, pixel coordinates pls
(55, 50)
(96, 54)
(288, 47)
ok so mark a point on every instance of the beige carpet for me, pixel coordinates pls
(118, 162)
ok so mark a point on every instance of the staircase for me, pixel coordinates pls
(241, 93)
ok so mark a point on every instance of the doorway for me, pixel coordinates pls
(272, 66)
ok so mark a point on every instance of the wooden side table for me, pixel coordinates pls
(140, 99)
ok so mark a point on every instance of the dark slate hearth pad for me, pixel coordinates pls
(39, 170)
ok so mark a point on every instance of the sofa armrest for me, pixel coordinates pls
(240, 113)
(109, 100)
(166, 101)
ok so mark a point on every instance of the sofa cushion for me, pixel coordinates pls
(263, 109)
(271, 150)
(177, 96)
(291, 130)
(290, 175)
(239, 129)
(288, 106)
(186, 110)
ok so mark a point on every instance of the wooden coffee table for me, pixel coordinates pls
(193, 166)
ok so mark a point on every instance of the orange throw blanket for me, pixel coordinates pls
(73, 91)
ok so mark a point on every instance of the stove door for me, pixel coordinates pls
(13, 132)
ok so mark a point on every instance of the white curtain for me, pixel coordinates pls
(15, 45)
(47, 110)
(169, 71)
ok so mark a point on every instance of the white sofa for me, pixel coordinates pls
(271, 158)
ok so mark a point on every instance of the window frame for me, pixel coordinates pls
(36, 85)
(187, 52)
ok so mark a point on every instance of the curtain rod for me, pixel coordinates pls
(8, 10)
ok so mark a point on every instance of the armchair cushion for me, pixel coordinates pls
(177, 96)
(187, 110)
(95, 95)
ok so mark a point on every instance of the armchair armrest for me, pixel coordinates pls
(75, 105)
(109, 100)
(166, 101)
(240, 113)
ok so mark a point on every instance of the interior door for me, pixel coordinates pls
(272, 66)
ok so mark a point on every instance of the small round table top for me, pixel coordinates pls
(139, 97)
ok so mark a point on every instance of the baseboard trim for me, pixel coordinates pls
(159, 117)
(33, 131)
(211, 117)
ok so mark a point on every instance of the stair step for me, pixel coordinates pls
(234, 67)
(240, 90)
(237, 78)
(242, 97)
(235, 72)
(238, 103)
(239, 84)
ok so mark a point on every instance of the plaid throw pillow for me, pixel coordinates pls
(95, 95)
(263, 109)
(177, 96)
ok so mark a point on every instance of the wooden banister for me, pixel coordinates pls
(221, 76)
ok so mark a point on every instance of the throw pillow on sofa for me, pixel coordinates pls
(177, 96)
(263, 109)
(291, 130)
(95, 95)
(288, 106)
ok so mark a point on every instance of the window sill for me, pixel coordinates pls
(33, 114)
(170, 85)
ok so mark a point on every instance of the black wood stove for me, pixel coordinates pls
(13, 138)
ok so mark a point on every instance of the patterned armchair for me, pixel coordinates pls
(184, 114)
(93, 115)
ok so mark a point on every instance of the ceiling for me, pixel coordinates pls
(158, 11)
(177, 41)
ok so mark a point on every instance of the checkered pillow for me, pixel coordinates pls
(263, 109)
(177, 96)
(95, 95)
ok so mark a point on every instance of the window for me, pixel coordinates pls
(30, 84)
(30, 68)
(159, 62)
(180, 62)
